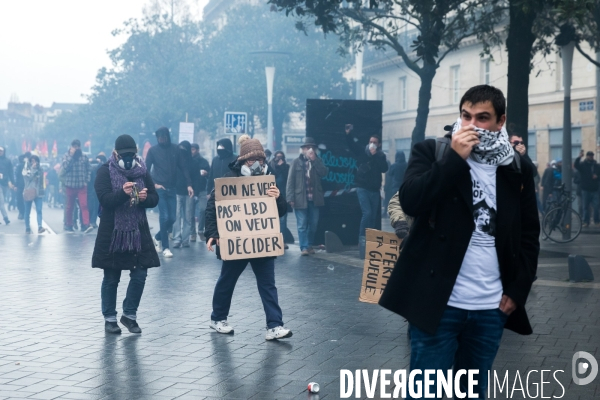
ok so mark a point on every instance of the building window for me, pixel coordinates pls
(455, 83)
(532, 145)
(404, 146)
(403, 99)
(380, 91)
(485, 72)
(556, 141)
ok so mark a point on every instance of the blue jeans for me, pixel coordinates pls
(167, 207)
(110, 283)
(590, 199)
(264, 270)
(369, 201)
(38, 209)
(183, 220)
(464, 340)
(199, 211)
(307, 220)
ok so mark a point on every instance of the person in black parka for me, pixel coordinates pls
(124, 241)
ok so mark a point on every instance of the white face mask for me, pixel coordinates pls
(254, 170)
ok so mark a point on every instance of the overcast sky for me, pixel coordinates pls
(50, 50)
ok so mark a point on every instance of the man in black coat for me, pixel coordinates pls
(371, 163)
(164, 161)
(199, 180)
(590, 183)
(470, 258)
(220, 164)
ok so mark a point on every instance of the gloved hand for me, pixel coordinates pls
(401, 229)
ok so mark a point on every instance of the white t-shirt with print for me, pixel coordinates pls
(478, 285)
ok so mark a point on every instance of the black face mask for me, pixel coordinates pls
(223, 153)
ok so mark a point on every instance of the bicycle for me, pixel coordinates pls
(561, 218)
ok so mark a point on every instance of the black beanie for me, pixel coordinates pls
(125, 144)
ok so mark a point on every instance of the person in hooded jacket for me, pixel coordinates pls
(185, 202)
(251, 152)
(220, 164)
(125, 190)
(395, 176)
(6, 182)
(165, 165)
(201, 165)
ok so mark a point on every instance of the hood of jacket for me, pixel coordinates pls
(400, 157)
(163, 132)
(227, 150)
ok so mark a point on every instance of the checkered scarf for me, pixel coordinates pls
(494, 147)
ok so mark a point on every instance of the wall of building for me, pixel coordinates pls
(465, 68)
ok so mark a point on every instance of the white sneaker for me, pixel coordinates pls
(167, 253)
(279, 332)
(221, 326)
(157, 244)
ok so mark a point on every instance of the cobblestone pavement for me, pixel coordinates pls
(52, 342)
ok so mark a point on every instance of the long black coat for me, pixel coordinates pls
(422, 281)
(109, 201)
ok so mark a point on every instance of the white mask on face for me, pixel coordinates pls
(254, 170)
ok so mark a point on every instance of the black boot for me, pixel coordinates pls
(6, 221)
(130, 324)
(111, 327)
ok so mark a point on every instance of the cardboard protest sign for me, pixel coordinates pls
(247, 218)
(381, 254)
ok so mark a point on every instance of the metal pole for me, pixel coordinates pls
(567, 62)
(359, 67)
(270, 72)
(597, 103)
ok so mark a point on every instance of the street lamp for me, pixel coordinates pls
(566, 39)
(270, 57)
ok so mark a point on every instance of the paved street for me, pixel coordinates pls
(53, 345)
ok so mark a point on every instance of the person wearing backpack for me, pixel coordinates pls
(468, 263)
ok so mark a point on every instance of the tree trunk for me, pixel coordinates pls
(519, 45)
(427, 74)
(278, 120)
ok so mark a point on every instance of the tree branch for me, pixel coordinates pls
(583, 53)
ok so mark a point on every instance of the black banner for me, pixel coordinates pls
(325, 122)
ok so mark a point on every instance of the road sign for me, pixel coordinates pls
(186, 132)
(236, 123)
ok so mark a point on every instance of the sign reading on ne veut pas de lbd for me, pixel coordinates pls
(247, 218)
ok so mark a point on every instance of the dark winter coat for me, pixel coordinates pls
(220, 164)
(199, 183)
(167, 164)
(587, 170)
(424, 276)
(109, 201)
(397, 171)
(210, 224)
(185, 155)
(281, 173)
(296, 184)
(6, 169)
(370, 166)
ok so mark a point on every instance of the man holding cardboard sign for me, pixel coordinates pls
(242, 219)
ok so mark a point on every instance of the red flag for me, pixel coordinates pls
(45, 148)
(147, 146)
(54, 150)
